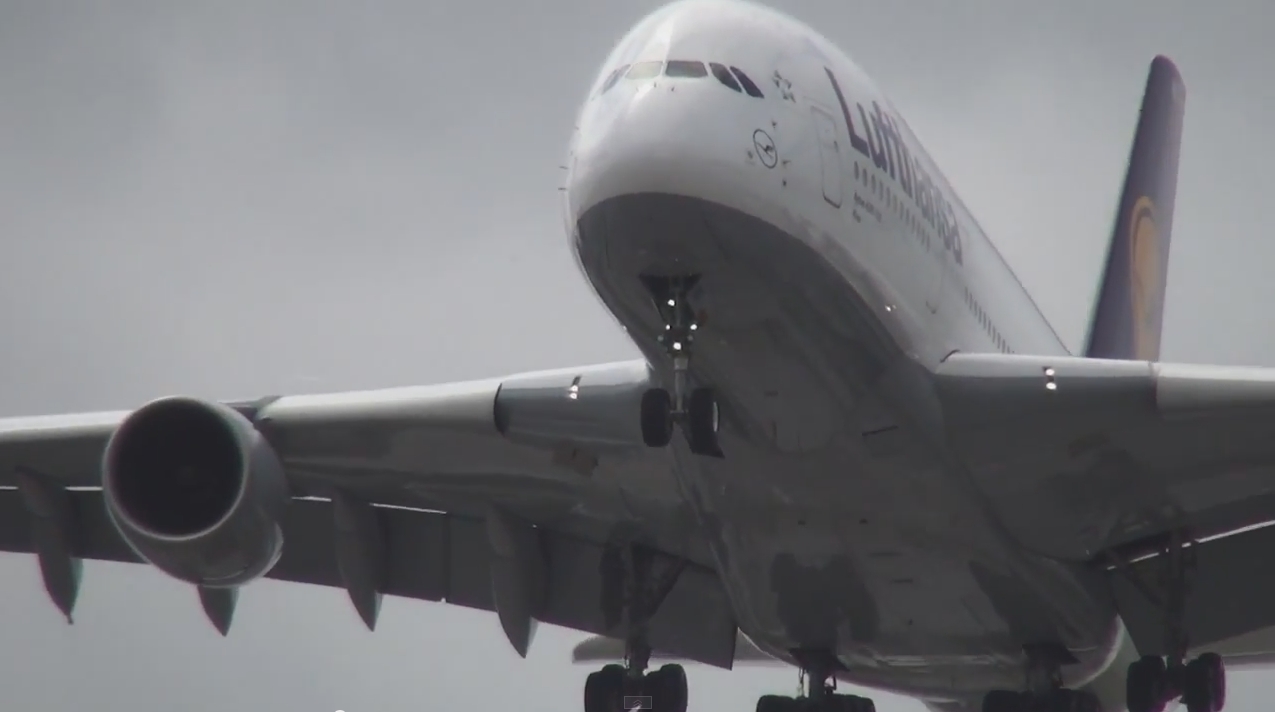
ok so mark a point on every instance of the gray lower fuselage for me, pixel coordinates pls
(837, 519)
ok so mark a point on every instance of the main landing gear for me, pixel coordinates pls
(817, 669)
(1045, 691)
(629, 687)
(695, 411)
(1153, 682)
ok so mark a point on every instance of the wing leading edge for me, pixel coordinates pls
(521, 495)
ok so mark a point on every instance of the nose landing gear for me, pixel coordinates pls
(694, 410)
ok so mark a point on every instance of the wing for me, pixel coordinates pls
(1100, 461)
(531, 496)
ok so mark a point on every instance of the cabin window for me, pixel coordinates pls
(685, 68)
(645, 70)
(747, 83)
(724, 76)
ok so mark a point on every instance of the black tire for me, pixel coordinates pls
(1203, 689)
(775, 703)
(657, 417)
(603, 689)
(702, 422)
(1078, 701)
(668, 689)
(1004, 701)
(1217, 670)
(1145, 682)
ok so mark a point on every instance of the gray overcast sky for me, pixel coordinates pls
(240, 198)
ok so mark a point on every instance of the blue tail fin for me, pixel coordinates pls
(1128, 316)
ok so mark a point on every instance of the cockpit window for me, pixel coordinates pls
(645, 70)
(723, 75)
(732, 77)
(685, 68)
(612, 79)
(747, 83)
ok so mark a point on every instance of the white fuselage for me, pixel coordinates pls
(838, 269)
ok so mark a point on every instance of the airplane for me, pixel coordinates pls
(853, 444)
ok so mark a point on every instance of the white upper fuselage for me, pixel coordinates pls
(847, 175)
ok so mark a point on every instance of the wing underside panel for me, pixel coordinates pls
(430, 556)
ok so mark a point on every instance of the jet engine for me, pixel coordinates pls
(196, 491)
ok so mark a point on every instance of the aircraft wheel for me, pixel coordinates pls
(854, 703)
(1074, 701)
(1004, 701)
(702, 422)
(1204, 684)
(1146, 685)
(657, 417)
(667, 688)
(604, 689)
(776, 703)
(1217, 668)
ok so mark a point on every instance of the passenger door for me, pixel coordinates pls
(829, 154)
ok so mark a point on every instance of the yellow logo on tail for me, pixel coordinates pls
(1145, 279)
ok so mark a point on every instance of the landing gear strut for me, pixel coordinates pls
(694, 410)
(1044, 686)
(629, 687)
(817, 670)
(1152, 682)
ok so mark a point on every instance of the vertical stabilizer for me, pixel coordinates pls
(1129, 313)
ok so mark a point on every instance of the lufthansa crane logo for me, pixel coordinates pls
(765, 146)
(1145, 276)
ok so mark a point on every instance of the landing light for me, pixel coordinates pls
(1050, 385)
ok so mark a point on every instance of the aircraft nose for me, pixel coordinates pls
(681, 135)
(635, 144)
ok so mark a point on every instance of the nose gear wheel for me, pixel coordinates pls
(694, 410)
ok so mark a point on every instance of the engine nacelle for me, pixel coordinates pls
(196, 491)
